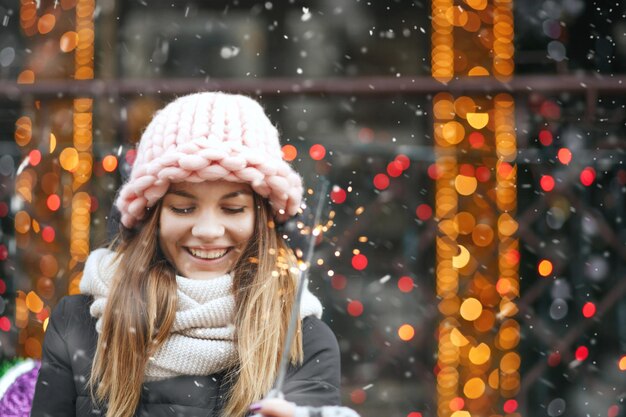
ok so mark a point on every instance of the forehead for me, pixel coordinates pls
(213, 188)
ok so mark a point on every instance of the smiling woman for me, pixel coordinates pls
(204, 227)
(187, 312)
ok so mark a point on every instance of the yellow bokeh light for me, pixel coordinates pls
(474, 388)
(464, 105)
(53, 142)
(464, 222)
(46, 23)
(457, 338)
(510, 362)
(478, 71)
(477, 4)
(22, 222)
(482, 235)
(471, 309)
(406, 332)
(461, 413)
(465, 185)
(26, 77)
(69, 41)
(508, 337)
(23, 131)
(479, 354)
(443, 109)
(462, 259)
(494, 379)
(453, 132)
(545, 268)
(477, 120)
(69, 159)
(33, 302)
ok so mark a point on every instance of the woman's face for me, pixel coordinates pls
(204, 227)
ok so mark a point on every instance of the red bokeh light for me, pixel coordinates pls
(588, 176)
(355, 308)
(414, 414)
(434, 172)
(53, 202)
(581, 353)
(483, 174)
(289, 152)
(4, 209)
(405, 284)
(5, 324)
(510, 406)
(338, 282)
(47, 234)
(4, 252)
(564, 155)
(359, 262)
(358, 396)
(94, 204)
(317, 152)
(3, 286)
(404, 161)
(457, 403)
(424, 212)
(394, 169)
(381, 181)
(547, 183)
(550, 110)
(476, 140)
(505, 169)
(130, 157)
(545, 137)
(589, 309)
(34, 157)
(613, 411)
(338, 195)
(554, 359)
(467, 170)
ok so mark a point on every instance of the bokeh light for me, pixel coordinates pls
(381, 181)
(359, 262)
(338, 195)
(545, 267)
(289, 152)
(109, 163)
(582, 352)
(317, 152)
(589, 309)
(406, 332)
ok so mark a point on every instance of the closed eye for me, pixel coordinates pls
(233, 210)
(182, 210)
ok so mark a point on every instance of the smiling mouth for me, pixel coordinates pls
(208, 254)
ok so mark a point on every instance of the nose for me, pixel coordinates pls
(208, 228)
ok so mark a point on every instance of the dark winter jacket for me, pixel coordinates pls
(69, 347)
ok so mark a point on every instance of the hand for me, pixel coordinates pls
(274, 407)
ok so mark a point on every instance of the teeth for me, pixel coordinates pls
(208, 254)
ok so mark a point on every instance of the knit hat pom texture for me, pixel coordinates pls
(210, 137)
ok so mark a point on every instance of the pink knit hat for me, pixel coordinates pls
(210, 136)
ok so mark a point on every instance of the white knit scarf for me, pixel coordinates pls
(202, 337)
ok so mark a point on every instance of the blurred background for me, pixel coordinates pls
(474, 262)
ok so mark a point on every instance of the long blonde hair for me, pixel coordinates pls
(141, 308)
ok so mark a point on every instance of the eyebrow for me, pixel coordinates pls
(186, 194)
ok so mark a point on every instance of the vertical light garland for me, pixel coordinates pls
(83, 138)
(49, 148)
(477, 269)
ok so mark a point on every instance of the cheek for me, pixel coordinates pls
(169, 229)
(245, 228)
